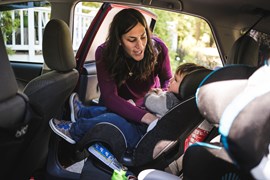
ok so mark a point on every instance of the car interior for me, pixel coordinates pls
(158, 146)
(39, 91)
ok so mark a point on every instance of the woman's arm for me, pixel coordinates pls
(148, 118)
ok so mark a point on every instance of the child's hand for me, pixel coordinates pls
(156, 90)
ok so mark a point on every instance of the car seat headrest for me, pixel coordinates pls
(244, 51)
(191, 82)
(212, 96)
(57, 46)
(9, 85)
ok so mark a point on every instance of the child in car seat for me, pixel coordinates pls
(158, 101)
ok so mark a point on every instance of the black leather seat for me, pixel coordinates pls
(48, 93)
(15, 116)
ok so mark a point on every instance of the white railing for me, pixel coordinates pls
(82, 20)
(26, 40)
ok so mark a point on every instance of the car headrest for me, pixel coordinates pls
(191, 82)
(244, 51)
(12, 103)
(212, 96)
(57, 46)
(8, 82)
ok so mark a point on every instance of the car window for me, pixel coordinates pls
(188, 38)
(22, 25)
(84, 14)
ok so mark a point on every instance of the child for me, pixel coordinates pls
(158, 101)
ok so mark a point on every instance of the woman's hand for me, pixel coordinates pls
(131, 102)
(148, 118)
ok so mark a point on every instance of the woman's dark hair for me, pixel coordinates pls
(114, 55)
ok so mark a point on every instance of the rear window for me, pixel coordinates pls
(22, 25)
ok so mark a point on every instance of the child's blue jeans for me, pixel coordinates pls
(90, 116)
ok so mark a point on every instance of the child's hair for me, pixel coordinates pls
(187, 68)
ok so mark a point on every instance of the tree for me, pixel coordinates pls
(192, 33)
(8, 26)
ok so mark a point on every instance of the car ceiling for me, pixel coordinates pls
(227, 18)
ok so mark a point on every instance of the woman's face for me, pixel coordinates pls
(175, 83)
(134, 42)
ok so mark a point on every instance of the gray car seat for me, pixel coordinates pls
(244, 125)
(212, 98)
(165, 142)
(48, 93)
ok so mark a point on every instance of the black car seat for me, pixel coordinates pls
(48, 93)
(15, 116)
(165, 142)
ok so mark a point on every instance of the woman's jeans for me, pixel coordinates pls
(88, 117)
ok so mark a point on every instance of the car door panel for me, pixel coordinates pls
(25, 72)
(88, 84)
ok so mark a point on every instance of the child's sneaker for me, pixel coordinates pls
(61, 128)
(75, 105)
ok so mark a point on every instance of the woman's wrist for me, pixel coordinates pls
(148, 118)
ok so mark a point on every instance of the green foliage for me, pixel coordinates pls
(191, 34)
(8, 26)
(91, 4)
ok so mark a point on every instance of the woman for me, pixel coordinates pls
(129, 64)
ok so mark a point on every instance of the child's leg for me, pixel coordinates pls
(132, 131)
(91, 111)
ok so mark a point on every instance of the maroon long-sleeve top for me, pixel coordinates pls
(115, 98)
